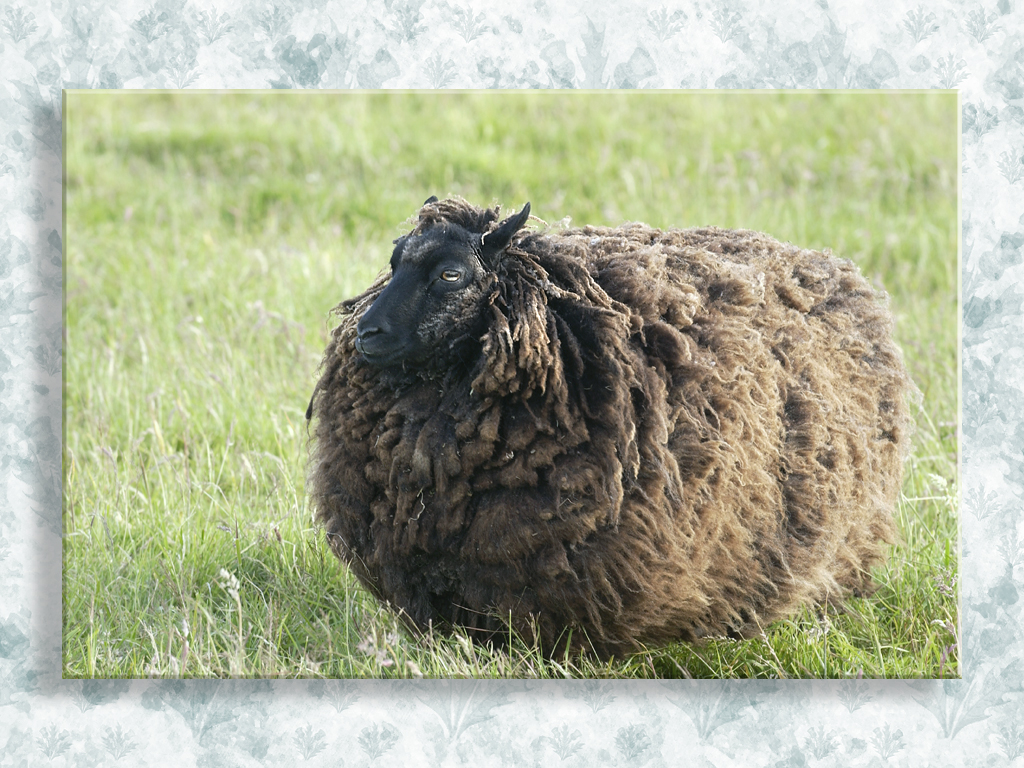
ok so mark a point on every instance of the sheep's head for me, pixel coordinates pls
(436, 293)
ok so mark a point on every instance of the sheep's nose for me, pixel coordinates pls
(364, 334)
(367, 327)
(372, 338)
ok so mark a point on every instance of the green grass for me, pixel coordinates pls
(208, 235)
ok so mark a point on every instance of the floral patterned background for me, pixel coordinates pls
(976, 46)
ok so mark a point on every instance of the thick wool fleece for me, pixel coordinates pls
(653, 436)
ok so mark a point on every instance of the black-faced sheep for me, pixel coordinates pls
(607, 437)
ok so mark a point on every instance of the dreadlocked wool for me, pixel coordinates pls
(608, 437)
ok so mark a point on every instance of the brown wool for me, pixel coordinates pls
(660, 435)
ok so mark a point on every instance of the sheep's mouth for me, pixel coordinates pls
(381, 355)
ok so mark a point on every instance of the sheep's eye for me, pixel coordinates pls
(451, 275)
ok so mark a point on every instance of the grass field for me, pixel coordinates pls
(208, 235)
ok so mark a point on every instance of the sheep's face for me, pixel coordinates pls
(436, 293)
(436, 281)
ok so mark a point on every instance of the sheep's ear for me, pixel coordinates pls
(396, 254)
(429, 200)
(497, 240)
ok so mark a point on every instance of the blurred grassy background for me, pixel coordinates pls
(207, 236)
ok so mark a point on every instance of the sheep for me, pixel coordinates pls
(605, 439)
